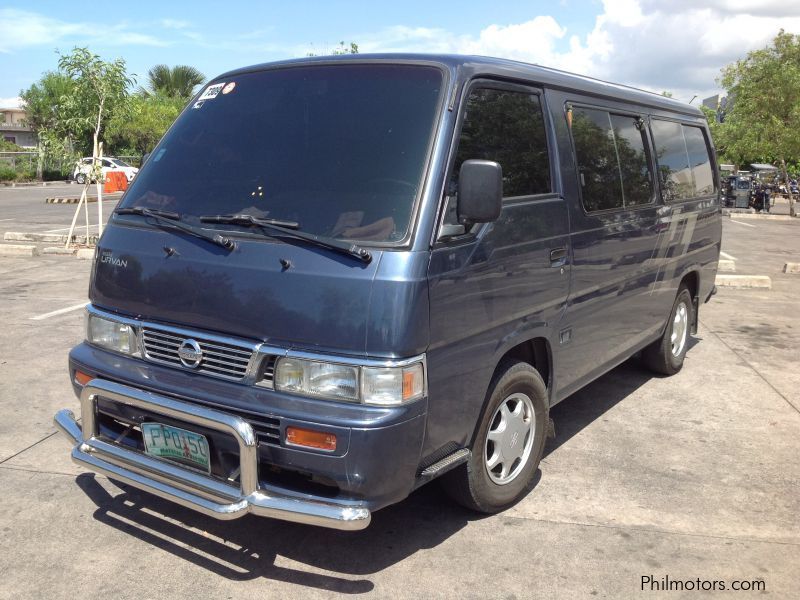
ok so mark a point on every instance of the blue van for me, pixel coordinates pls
(336, 279)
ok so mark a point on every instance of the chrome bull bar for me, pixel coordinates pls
(168, 480)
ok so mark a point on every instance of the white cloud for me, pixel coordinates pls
(679, 45)
(21, 29)
(174, 24)
(15, 102)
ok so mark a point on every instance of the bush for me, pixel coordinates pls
(7, 173)
(54, 175)
(26, 173)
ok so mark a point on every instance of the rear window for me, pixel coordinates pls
(684, 162)
(340, 149)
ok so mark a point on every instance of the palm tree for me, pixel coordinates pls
(177, 82)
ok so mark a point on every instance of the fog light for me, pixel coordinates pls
(310, 439)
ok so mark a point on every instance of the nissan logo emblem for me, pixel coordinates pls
(190, 354)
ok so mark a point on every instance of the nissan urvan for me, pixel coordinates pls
(336, 279)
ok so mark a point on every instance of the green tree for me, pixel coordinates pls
(143, 122)
(100, 89)
(177, 82)
(764, 119)
(41, 102)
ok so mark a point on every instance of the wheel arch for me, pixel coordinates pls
(691, 280)
(535, 351)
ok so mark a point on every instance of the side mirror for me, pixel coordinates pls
(480, 191)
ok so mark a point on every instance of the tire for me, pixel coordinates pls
(515, 422)
(80, 178)
(666, 355)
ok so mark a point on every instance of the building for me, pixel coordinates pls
(13, 128)
(718, 103)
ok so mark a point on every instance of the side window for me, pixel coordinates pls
(598, 170)
(673, 160)
(507, 127)
(634, 166)
(699, 160)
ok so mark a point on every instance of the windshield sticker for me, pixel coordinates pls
(229, 87)
(159, 154)
(198, 104)
(212, 91)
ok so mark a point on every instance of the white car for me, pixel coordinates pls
(84, 167)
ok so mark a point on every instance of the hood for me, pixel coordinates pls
(323, 301)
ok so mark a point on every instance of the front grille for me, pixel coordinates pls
(220, 359)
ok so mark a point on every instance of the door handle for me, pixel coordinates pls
(558, 257)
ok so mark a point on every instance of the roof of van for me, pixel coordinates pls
(500, 67)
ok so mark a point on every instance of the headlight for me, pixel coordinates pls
(110, 334)
(370, 385)
(314, 378)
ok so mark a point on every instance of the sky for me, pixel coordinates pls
(674, 45)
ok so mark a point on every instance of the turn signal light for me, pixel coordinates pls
(82, 378)
(310, 439)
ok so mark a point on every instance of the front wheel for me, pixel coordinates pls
(508, 444)
(666, 356)
(81, 178)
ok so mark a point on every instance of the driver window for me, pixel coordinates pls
(507, 127)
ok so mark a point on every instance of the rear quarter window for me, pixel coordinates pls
(684, 160)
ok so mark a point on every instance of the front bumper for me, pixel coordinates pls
(222, 500)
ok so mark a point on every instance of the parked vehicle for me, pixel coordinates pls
(739, 192)
(83, 168)
(336, 279)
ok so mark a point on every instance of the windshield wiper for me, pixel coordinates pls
(242, 219)
(288, 229)
(172, 220)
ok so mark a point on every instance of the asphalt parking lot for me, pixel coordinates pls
(23, 209)
(691, 477)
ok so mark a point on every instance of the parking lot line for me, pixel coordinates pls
(740, 223)
(727, 256)
(60, 311)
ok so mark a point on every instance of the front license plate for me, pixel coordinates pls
(173, 443)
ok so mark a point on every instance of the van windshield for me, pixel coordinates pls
(338, 149)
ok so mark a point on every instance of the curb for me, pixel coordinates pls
(75, 200)
(68, 200)
(744, 281)
(726, 266)
(58, 250)
(50, 238)
(791, 268)
(36, 183)
(761, 216)
(85, 254)
(18, 250)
